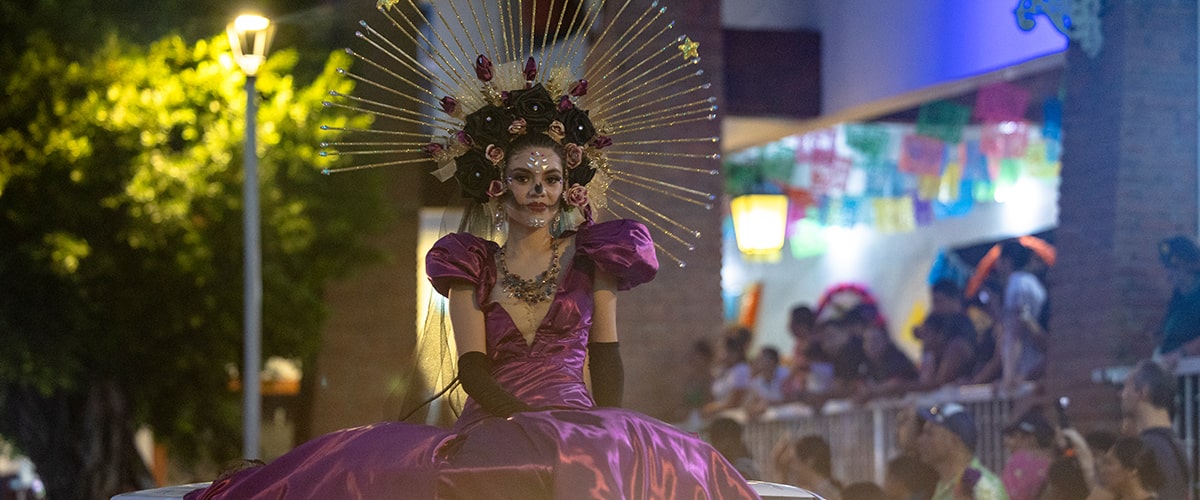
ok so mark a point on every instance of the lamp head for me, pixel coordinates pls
(250, 37)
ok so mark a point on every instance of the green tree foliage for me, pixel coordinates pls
(121, 245)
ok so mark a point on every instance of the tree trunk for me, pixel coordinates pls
(82, 445)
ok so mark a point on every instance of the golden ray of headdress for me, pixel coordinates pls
(439, 62)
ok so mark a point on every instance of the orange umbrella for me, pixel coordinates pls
(1039, 246)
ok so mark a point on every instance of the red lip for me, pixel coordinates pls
(536, 207)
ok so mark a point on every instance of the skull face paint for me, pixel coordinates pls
(535, 178)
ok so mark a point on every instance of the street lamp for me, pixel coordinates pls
(249, 36)
(759, 224)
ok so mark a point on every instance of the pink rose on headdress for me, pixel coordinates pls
(531, 70)
(579, 88)
(601, 142)
(576, 196)
(494, 154)
(432, 149)
(463, 138)
(556, 131)
(449, 105)
(517, 127)
(565, 104)
(574, 155)
(496, 188)
(483, 68)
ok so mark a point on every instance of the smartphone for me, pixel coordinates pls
(1061, 408)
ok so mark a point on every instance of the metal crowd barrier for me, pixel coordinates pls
(862, 438)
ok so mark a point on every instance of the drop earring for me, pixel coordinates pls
(556, 228)
(498, 216)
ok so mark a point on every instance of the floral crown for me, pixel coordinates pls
(608, 84)
(475, 154)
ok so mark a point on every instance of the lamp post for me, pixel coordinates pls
(249, 36)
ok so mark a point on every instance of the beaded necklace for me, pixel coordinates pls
(535, 290)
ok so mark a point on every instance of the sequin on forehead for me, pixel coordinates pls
(538, 161)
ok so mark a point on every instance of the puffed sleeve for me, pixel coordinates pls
(460, 257)
(622, 248)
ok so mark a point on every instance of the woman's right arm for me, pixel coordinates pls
(474, 367)
(467, 319)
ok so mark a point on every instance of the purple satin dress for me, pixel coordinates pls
(572, 450)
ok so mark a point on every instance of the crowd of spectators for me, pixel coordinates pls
(1046, 457)
(843, 349)
(995, 335)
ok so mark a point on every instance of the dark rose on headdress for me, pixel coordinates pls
(579, 88)
(433, 148)
(601, 142)
(489, 125)
(474, 174)
(578, 126)
(565, 104)
(582, 174)
(483, 68)
(531, 70)
(449, 105)
(464, 138)
(534, 105)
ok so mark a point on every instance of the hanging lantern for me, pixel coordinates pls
(760, 223)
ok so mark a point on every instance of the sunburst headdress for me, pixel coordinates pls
(493, 72)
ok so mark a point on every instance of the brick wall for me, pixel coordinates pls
(658, 322)
(1129, 179)
(370, 333)
(360, 374)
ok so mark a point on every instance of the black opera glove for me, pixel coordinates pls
(608, 374)
(474, 371)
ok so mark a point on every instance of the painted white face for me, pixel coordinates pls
(535, 178)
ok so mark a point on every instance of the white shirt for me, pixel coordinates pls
(733, 378)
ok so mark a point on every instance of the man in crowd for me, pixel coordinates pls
(808, 463)
(1023, 341)
(1181, 326)
(947, 443)
(1148, 400)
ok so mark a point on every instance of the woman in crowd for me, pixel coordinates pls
(1128, 471)
(1031, 450)
(766, 383)
(888, 369)
(947, 351)
(697, 385)
(731, 374)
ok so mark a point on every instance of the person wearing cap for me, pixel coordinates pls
(1180, 334)
(1030, 444)
(947, 443)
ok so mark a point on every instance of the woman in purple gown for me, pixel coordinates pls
(530, 428)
